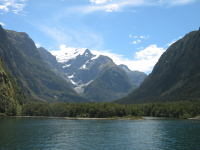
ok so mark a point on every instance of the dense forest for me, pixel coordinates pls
(182, 109)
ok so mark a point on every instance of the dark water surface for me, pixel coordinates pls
(61, 134)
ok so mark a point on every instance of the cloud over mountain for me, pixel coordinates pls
(143, 60)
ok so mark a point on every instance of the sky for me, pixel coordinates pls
(131, 32)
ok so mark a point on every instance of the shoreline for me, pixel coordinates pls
(109, 118)
(194, 118)
(80, 118)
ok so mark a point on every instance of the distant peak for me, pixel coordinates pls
(1, 28)
(124, 67)
(2, 33)
(88, 53)
(67, 53)
(87, 50)
(41, 48)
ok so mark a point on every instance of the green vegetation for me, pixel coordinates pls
(111, 84)
(110, 110)
(181, 109)
(9, 93)
(25, 77)
(35, 78)
(175, 77)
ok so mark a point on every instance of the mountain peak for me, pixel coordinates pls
(88, 53)
(67, 53)
(124, 67)
(2, 33)
(1, 28)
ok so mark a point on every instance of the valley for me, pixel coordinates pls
(35, 78)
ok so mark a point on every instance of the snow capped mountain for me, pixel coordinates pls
(86, 71)
(81, 66)
(76, 63)
(67, 53)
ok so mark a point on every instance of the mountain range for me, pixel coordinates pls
(75, 76)
(97, 77)
(175, 77)
(28, 73)
(33, 75)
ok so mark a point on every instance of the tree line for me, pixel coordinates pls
(182, 109)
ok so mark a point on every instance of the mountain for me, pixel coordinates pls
(175, 77)
(97, 77)
(33, 75)
(52, 63)
(50, 60)
(9, 92)
(80, 65)
(112, 83)
(136, 77)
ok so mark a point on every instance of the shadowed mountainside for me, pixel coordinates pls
(175, 77)
(32, 74)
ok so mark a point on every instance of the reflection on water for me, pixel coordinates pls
(61, 134)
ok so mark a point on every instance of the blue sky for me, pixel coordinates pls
(132, 32)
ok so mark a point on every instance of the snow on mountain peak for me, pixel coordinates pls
(67, 53)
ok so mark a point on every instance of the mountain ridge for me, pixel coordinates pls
(87, 72)
(33, 75)
(65, 77)
(175, 77)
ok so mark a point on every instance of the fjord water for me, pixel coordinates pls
(61, 134)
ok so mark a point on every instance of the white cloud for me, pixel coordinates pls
(99, 1)
(112, 6)
(117, 5)
(137, 39)
(121, 5)
(143, 60)
(38, 45)
(149, 53)
(14, 6)
(2, 24)
(138, 36)
(177, 2)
